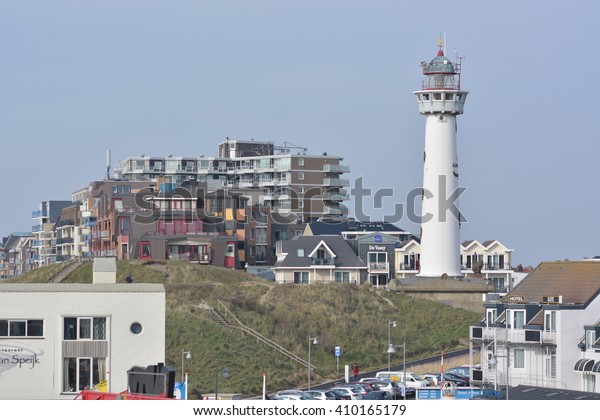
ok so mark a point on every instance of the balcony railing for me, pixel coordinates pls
(516, 336)
(39, 213)
(407, 267)
(322, 261)
(378, 266)
(489, 267)
(336, 168)
(336, 182)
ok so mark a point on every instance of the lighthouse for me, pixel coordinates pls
(440, 100)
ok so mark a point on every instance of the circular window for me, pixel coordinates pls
(136, 328)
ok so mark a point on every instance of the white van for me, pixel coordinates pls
(412, 379)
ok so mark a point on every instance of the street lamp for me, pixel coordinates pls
(391, 348)
(311, 340)
(188, 355)
(225, 375)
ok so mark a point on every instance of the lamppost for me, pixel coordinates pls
(225, 375)
(188, 355)
(311, 340)
(391, 348)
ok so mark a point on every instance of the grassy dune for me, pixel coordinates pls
(352, 317)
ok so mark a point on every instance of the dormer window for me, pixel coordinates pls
(300, 252)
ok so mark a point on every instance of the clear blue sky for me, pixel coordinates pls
(155, 77)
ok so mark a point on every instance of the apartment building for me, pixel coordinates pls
(489, 258)
(44, 235)
(16, 255)
(545, 332)
(288, 180)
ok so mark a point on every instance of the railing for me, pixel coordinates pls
(336, 168)
(322, 261)
(336, 182)
(489, 267)
(378, 266)
(407, 267)
(262, 338)
(39, 213)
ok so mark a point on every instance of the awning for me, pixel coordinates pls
(596, 367)
(584, 365)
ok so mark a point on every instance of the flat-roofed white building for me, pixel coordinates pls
(57, 339)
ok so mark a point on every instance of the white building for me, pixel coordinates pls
(547, 329)
(56, 339)
(493, 257)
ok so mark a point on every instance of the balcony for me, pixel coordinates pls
(378, 267)
(336, 182)
(37, 228)
(322, 261)
(336, 168)
(515, 336)
(39, 213)
(62, 241)
(335, 196)
(407, 267)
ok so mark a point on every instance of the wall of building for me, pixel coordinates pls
(32, 368)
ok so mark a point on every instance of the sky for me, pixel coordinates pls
(78, 78)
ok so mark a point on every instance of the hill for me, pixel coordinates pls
(352, 317)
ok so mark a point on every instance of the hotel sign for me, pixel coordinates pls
(516, 299)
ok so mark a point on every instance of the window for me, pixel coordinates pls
(83, 372)
(550, 321)
(342, 276)
(519, 358)
(21, 328)
(301, 277)
(551, 363)
(437, 96)
(300, 162)
(136, 328)
(300, 190)
(426, 96)
(492, 314)
(518, 320)
(590, 339)
(84, 328)
(300, 252)
(301, 176)
(449, 96)
(498, 283)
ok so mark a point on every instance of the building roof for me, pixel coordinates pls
(336, 227)
(81, 288)
(344, 254)
(105, 265)
(578, 282)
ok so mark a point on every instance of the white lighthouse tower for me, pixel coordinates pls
(440, 100)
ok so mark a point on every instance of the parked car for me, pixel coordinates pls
(362, 389)
(321, 395)
(464, 370)
(411, 379)
(353, 393)
(396, 390)
(459, 380)
(369, 386)
(433, 379)
(339, 395)
(377, 395)
(295, 393)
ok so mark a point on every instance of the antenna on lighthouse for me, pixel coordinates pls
(108, 164)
